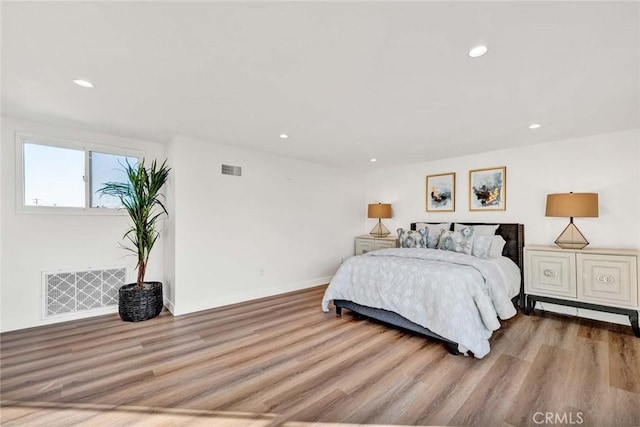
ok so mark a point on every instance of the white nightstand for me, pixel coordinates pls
(595, 279)
(367, 243)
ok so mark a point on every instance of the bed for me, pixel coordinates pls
(473, 308)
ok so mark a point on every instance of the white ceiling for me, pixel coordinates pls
(346, 81)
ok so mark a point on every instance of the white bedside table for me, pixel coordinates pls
(595, 279)
(367, 243)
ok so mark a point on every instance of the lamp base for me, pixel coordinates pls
(571, 238)
(379, 230)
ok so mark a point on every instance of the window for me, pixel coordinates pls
(53, 176)
(66, 175)
(107, 167)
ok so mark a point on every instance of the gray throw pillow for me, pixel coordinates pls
(457, 241)
(413, 239)
(435, 230)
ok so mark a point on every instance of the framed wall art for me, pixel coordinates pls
(488, 189)
(441, 192)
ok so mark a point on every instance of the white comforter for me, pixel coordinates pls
(457, 296)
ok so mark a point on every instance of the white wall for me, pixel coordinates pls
(33, 243)
(291, 219)
(168, 233)
(607, 164)
(1, 204)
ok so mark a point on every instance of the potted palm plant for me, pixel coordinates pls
(142, 199)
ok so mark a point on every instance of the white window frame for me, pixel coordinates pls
(22, 138)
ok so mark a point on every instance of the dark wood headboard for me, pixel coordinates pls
(513, 234)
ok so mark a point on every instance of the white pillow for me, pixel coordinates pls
(478, 230)
(497, 245)
(481, 246)
(488, 246)
(435, 230)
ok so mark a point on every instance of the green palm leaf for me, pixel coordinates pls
(141, 198)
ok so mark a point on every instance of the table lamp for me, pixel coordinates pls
(380, 210)
(572, 205)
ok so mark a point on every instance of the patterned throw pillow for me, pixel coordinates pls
(413, 239)
(457, 241)
(435, 230)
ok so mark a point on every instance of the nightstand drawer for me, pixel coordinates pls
(385, 244)
(551, 273)
(363, 246)
(608, 279)
(368, 243)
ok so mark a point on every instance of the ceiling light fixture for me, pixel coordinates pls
(478, 51)
(534, 125)
(373, 160)
(284, 136)
(83, 83)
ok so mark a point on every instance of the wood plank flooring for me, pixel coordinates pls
(282, 361)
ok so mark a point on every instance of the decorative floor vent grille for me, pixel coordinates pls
(81, 291)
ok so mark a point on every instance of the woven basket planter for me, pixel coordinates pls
(136, 305)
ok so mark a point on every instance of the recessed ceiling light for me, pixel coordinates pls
(83, 83)
(478, 51)
(284, 136)
(534, 125)
(373, 160)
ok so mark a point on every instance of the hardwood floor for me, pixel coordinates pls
(282, 361)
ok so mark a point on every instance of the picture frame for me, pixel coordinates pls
(441, 192)
(488, 189)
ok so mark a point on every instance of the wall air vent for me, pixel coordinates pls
(69, 292)
(231, 170)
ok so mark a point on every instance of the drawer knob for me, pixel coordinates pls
(550, 273)
(605, 278)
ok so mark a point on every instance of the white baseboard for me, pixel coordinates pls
(619, 319)
(192, 307)
(29, 322)
(582, 312)
(555, 308)
(170, 306)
